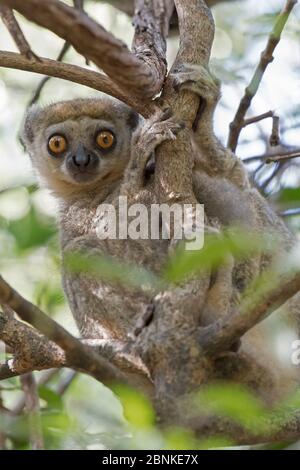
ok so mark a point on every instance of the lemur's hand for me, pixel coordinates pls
(154, 131)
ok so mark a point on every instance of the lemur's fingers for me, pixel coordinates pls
(163, 131)
(158, 129)
(155, 130)
(199, 80)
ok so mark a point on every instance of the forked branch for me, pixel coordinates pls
(151, 22)
(95, 43)
(266, 58)
(80, 356)
(72, 73)
(266, 295)
(16, 32)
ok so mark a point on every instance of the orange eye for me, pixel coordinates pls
(57, 144)
(105, 139)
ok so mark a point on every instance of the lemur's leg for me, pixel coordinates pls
(219, 297)
(154, 131)
(214, 158)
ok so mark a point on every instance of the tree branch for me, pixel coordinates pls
(72, 73)
(251, 90)
(273, 156)
(65, 48)
(42, 380)
(173, 175)
(151, 22)
(44, 80)
(80, 356)
(265, 295)
(275, 136)
(282, 158)
(127, 6)
(16, 32)
(259, 118)
(93, 42)
(33, 351)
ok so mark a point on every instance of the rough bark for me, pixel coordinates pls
(127, 6)
(95, 43)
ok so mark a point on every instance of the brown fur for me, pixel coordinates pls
(102, 309)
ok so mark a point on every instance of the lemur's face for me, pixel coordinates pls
(80, 142)
(84, 149)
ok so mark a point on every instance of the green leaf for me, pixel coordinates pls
(54, 401)
(111, 269)
(289, 195)
(32, 231)
(235, 402)
(184, 439)
(185, 264)
(137, 408)
(48, 297)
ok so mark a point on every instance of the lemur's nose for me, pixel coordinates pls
(82, 157)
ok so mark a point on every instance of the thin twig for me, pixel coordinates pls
(32, 408)
(43, 380)
(290, 212)
(258, 118)
(81, 356)
(269, 157)
(283, 158)
(65, 48)
(275, 137)
(251, 90)
(276, 170)
(16, 32)
(44, 80)
(72, 73)
(65, 382)
(95, 43)
(266, 294)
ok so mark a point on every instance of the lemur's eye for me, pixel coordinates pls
(105, 139)
(57, 144)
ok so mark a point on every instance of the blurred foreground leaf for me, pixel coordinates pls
(32, 231)
(235, 402)
(110, 269)
(185, 264)
(137, 408)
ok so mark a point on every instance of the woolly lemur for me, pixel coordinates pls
(87, 152)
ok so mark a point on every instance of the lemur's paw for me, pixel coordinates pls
(159, 128)
(199, 80)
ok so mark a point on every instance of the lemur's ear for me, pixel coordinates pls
(133, 119)
(28, 130)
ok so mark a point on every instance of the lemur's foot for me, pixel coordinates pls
(156, 130)
(199, 80)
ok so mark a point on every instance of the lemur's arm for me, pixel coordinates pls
(153, 132)
(211, 156)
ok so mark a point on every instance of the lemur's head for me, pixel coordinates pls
(79, 144)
